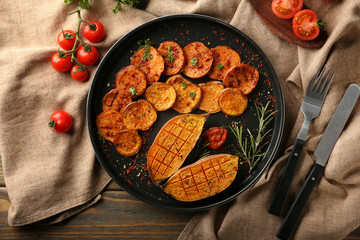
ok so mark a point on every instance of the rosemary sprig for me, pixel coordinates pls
(251, 147)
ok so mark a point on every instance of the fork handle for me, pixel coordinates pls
(283, 185)
(297, 206)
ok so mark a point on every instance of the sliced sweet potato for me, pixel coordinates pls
(161, 95)
(232, 102)
(109, 123)
(210, 93)
(204, 178)
(224, 59)
(173, 144)
(198, 60)
(131, 77)
(188, 94)
(151, 63)
(116, 100)
(127, 142)
(173, 55)
(243, 76)
(139, 115)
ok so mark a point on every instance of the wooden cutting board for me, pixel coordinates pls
(283, 27)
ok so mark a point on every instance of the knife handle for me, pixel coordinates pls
(284, 183)
(300, 201)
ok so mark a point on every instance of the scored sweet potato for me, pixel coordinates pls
(116, 100)
(131, 77)
(173, 55)
(243, 76)
(188, 94)
(198, 60)
(161, 95)
(224, 58)
(204, 178)
(233, 102)
(151, 63)
(109, 123)
(173, 144)
(139, 115)
(127, 142)
(210, 92)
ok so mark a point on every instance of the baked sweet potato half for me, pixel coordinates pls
(210, 93)
(204, 178)
(127, 142)
(173, 144)
(109, 124)
(224, 58)
(243, 76)
(151, 63)
(161, 95)
(116, 100)
(131, 77)
(233, 102)
(188, 94)
(173, 55)
(139, 115)
(198, 60)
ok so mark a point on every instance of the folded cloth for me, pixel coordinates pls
(332, 210)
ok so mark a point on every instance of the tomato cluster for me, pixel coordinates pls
(62, 61)
(305, 23)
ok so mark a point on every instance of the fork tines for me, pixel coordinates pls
(321, 85)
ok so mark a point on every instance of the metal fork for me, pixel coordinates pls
(311, 107)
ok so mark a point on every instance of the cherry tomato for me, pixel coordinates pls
(87, 55)
(215, 137)
(66, 39)
(78, 73)
(306, 25)
(61, 63)
(60, 121)
(95, 32)
(286, 9)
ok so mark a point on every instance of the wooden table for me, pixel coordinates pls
(118, 215)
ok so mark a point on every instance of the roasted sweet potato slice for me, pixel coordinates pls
(198, 60)
(210, 93)
(151, 63)
(116, 100)
(224, 59)
(139, 115)
(243, 76)
(109, 123)
(204, 178)
(127, 142)
(173, 55)
(131, 77)
(232, 102)
(161, 95)
(188, 94)
(173, 144)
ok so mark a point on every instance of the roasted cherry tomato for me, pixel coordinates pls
(286, 9)
(306, 25)
(61, 63)
(66, 39)
(215, 137)
(95, 32)
(79, 73)
(60, 121)
(87, 55)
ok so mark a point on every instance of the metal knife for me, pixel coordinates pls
(322, 154)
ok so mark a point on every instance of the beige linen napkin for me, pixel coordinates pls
(50, 176)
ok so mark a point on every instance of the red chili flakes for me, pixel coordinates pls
(222, 39)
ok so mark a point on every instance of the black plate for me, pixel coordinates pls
(130, 173)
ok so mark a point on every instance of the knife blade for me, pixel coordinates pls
(322, 153)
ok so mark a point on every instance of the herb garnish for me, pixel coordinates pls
(192, 94)
(219, 66)
(133, 91)
(146, 45)
(194, 61)
(183, 85)
(170, 53)
(86, 4)
(251, 149)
